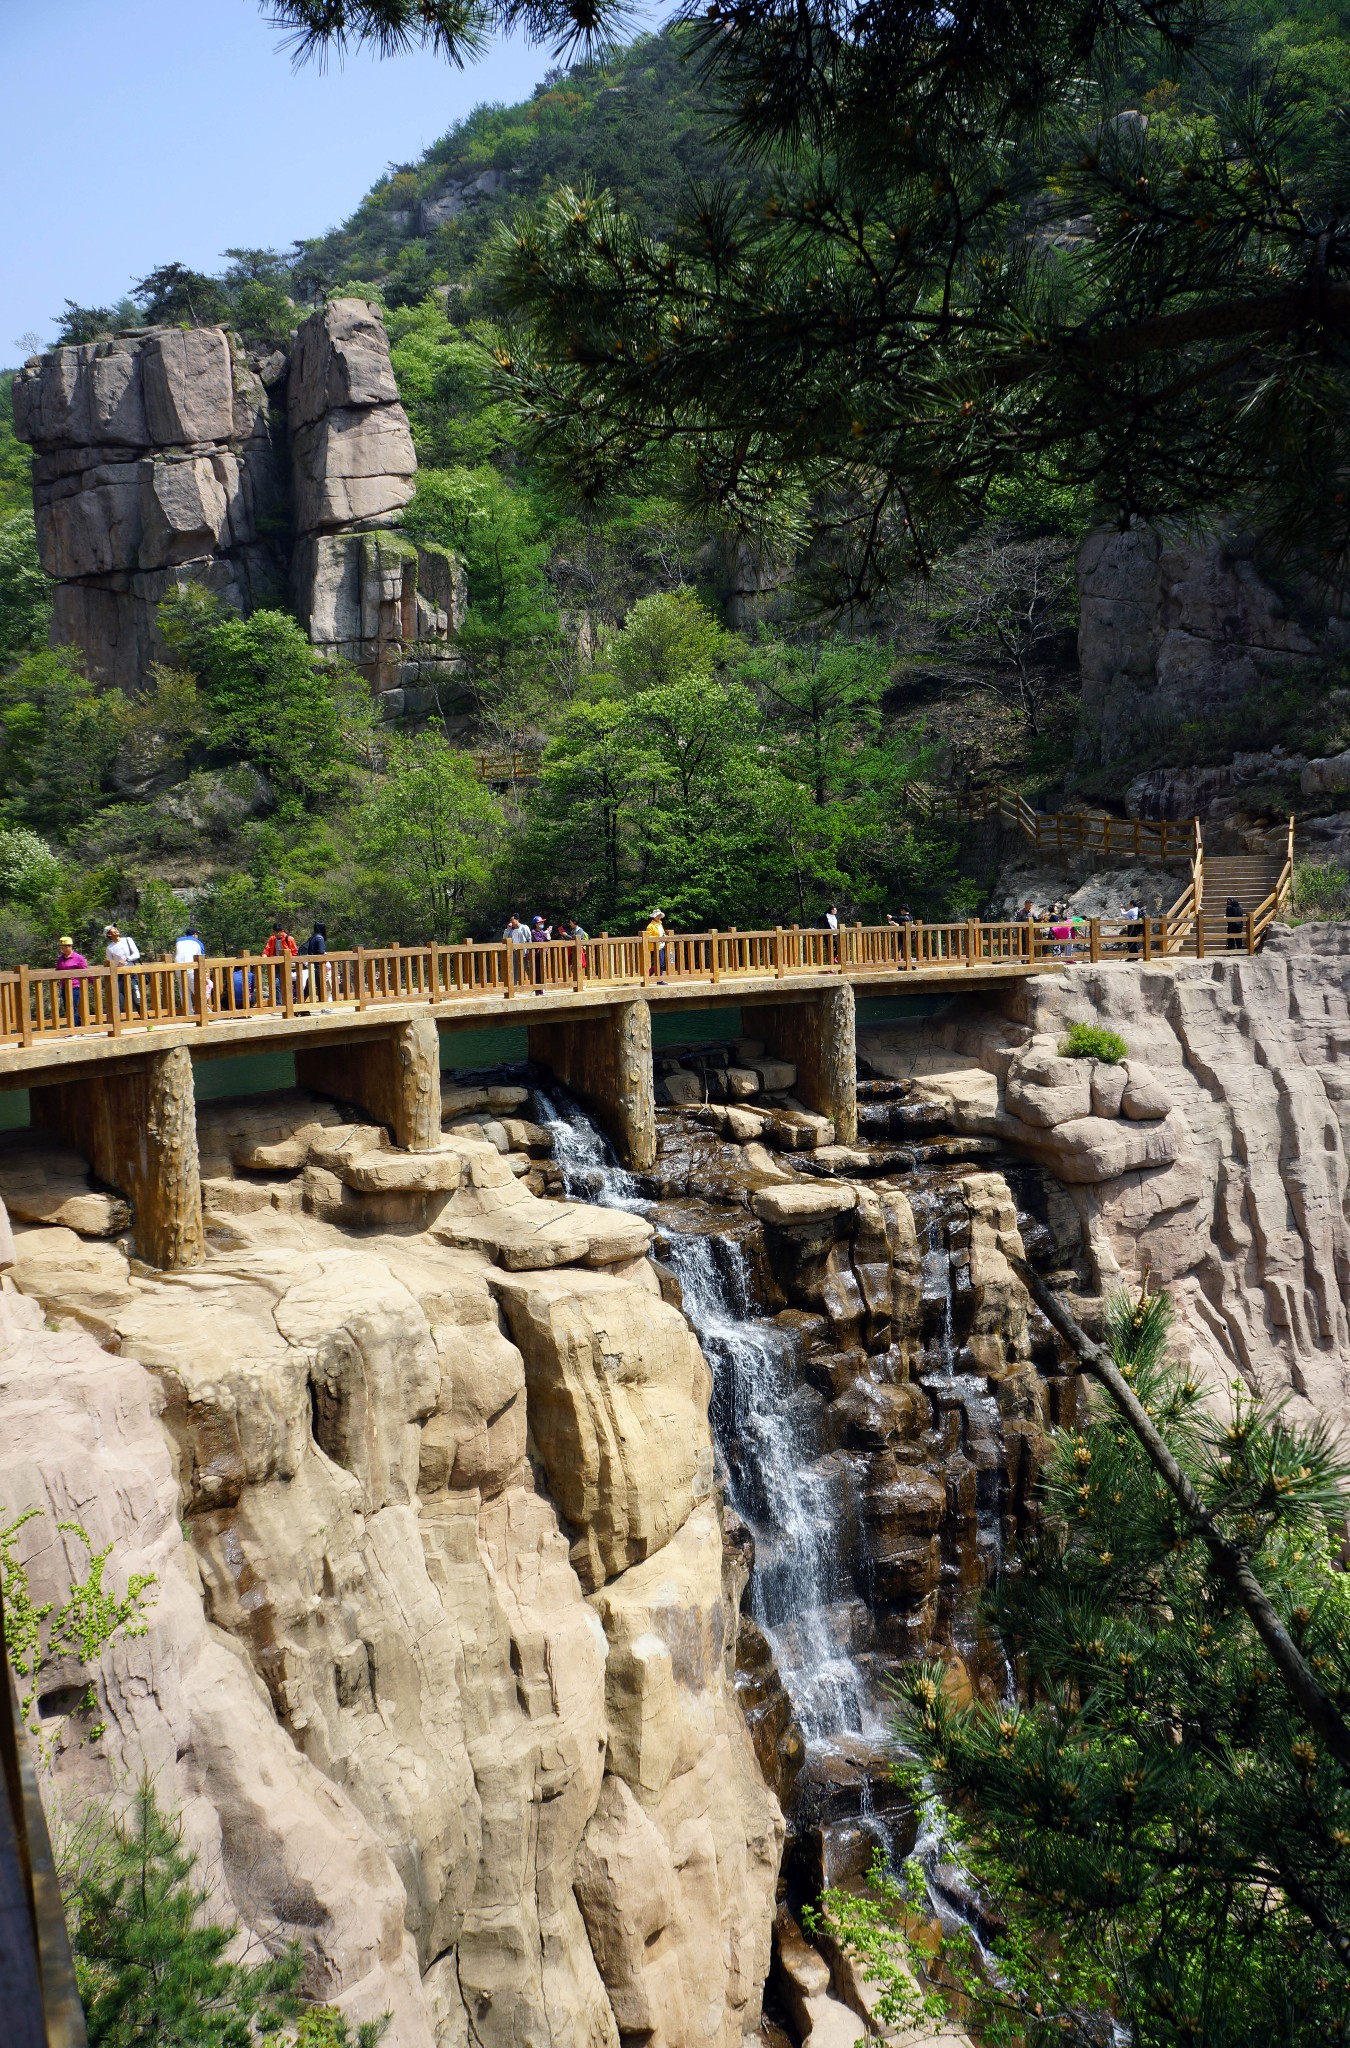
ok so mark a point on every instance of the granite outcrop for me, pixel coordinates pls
(1176, 631)
(174, 455)
(1215, 1160)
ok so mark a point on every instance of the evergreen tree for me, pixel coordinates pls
(981, 253)
(1160, 1833)
(151, 1972)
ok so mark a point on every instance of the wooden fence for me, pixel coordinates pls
(1060, 831)
(38, 1005)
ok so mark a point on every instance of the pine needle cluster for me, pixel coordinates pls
(1163, 1840)
(978, 258)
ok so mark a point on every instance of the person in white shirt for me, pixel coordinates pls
(188, 948)
(121, 951)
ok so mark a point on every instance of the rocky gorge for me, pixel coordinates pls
(532, 1540)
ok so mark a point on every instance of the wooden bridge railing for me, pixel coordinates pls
(40, 1004)
(1060, 831)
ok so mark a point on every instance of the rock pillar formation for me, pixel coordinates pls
(161, 457)
(817, 1034)
(606, 1061)
(137, 1126)
(155, 464)
(395, 1077)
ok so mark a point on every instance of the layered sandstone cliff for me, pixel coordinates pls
(1215, 1159)
(439, 1665)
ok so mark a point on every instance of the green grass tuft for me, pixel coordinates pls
(1093, 1042)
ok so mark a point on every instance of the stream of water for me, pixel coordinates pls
(776, 1478)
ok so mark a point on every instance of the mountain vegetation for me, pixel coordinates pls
(717, 711)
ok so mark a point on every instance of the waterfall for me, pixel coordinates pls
(790, 1496)
(589, 1169)
(789, 1500)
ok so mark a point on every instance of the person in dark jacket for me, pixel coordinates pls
(1237, 918)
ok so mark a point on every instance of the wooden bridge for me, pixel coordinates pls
(108, 1053)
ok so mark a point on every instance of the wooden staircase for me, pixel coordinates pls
(1252, 879)
(1198, 921)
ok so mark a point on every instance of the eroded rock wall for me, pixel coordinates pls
(1176, 632)
(1215, 1159)
(170, 456)
(440, 1663)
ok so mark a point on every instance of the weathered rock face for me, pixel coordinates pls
(1224, 1173)
(165, 457)
(1174, 633)
(373, 1680)
(156, 463)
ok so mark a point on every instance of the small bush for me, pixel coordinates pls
(1093, 1042)
(1320, 892)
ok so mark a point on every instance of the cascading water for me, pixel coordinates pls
(787, 1497)
(589, 1169)
(774, 1483)
(790, 1494)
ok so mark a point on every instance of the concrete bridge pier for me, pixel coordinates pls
(136, 1124)
(395, 1077)
(817, 1033)
(605, 1058)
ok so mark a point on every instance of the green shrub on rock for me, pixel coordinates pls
(1093, 1042)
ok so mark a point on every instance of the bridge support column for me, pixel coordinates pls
(817, 1035)
(137, 1127)
(606, 1060)
(396, 1078)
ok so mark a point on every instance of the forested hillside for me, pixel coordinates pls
(688, 731)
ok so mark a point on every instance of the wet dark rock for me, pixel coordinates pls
(780, 1746)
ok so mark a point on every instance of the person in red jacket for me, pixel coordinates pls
(279, 943)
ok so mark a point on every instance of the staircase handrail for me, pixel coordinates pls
(1271, 906)
(1058, 831)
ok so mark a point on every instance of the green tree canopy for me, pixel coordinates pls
(979, 252)
(426, 829)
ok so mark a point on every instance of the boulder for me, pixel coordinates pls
(1108, 1086)
(683, 1089)
(1326, 775)
(1144, 1098)
(799, 1203)
(1045, 1089)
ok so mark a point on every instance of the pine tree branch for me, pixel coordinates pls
(1232, 1567)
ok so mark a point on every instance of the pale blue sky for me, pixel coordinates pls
(140, 132)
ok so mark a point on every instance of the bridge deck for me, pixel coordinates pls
(220, 1007)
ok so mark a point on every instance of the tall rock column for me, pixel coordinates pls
(369, 594)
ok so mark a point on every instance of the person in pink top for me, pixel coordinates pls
(68, 961)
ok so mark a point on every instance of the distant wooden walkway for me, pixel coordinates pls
(41, 1008)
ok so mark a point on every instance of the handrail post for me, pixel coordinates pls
(713, 936)
(907, 947)
(200, 972)
(1251, 932)
(1094, 939)
(360, 977)
(25, 1005)
(576, 966)
(1147, 921)
(115, 992)
(1199, 933)
(778, 952)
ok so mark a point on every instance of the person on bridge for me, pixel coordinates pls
(515, 936)
(655, 933)
(187, 950)
(1235, 914)
(280, 942)
(121, 951)
(68, 961)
